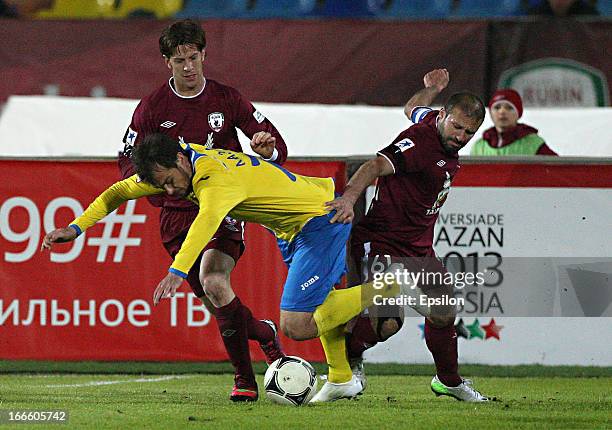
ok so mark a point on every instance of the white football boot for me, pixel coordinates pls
(330, 392)
(463, 392)
(359, 372)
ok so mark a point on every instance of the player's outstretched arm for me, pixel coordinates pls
(105, 203)
(362, 178)
(434, 82)
(59, 235)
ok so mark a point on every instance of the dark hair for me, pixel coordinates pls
(156, 149)
(470, 104)
(185, 32)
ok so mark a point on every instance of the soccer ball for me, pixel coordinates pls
(290, 380)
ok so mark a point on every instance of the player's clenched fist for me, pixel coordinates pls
(263, 143)
(66, 234)
(436, 78)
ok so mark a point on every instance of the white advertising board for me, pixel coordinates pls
(40, 126)
(548, 225)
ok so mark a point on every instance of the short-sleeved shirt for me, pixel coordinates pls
(405, 208)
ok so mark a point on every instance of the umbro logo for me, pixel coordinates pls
(441, 163)
(167, 124)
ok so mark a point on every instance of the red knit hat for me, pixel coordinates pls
(508, 96)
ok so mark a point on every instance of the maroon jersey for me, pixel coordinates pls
(403, 213)
(209, 118)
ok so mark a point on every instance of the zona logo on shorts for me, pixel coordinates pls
(308, 283)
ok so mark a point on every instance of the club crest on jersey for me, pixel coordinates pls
(404, 144)
(215, 120)
(167, 124)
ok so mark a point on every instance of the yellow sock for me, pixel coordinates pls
(335, 353)
(342, 305)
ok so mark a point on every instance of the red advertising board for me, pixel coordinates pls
(92, 299)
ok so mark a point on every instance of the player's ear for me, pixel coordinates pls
(441, 115)
(183, 160)
(203, 54)
(167, 61)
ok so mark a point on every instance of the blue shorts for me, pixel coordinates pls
(316, 259)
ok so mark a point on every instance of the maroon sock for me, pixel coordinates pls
(442, 343)
(361, 338)
(233, 329)
(256, 329)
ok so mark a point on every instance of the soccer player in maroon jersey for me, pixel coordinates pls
(191, 108)
(414, 174)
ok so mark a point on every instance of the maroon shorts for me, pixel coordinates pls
(227, 239)
(373, 257)
(378, 256)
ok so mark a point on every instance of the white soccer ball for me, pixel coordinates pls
(290, 380)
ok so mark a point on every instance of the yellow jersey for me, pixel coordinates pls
(227, 182)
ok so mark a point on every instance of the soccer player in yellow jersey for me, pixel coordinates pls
(292, 206)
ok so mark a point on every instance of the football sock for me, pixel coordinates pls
(361, 338)
(334, 345)
(442, 343)
(233, 329)
(256, 329)
(342, 305)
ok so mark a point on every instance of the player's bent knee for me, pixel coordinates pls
(294, 332)
(442, 316)
(441, 320)
(297, 328)
(214, 283)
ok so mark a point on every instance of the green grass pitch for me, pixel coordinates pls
(180, 400)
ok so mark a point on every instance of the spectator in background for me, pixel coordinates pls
(508, 136)
(562, 8)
